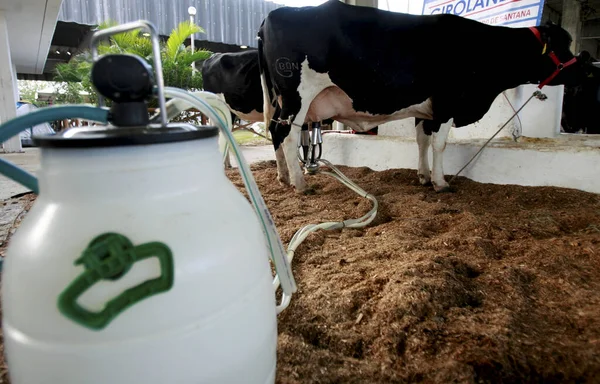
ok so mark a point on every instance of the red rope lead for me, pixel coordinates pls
(559, 66)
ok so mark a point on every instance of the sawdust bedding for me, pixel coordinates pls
(487, 284)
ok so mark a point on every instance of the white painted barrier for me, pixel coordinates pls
(569, 161)
(541, 156)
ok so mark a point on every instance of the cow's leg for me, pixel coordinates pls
(290, 149)
(290, 144)
(222, 141)
(227, 160)
(275, 131)
(227, 154)
(439, 145)
(283, 174)
(278, 132)
(423, 141)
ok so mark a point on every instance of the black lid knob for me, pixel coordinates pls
(128, 81)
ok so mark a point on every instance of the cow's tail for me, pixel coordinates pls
(265, 82)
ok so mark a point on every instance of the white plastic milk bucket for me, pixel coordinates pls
(216, 324)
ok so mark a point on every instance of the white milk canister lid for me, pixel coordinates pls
(125, 136)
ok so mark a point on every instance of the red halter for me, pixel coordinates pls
(559, 66)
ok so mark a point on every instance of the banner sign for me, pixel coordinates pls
(510, 13)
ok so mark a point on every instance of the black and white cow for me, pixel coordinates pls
(364, 67)
(235, 77)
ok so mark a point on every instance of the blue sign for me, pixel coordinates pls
(510, 13)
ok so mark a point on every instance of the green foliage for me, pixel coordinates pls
(187, 117)
(132, 42)
(244, 137)
(177, 37)
(69, 93)
(176, 59)
(186, 58)
(74, 77)
(28, 90)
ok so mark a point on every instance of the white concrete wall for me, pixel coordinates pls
(541, 118)
(569, 162)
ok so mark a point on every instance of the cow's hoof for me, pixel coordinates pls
(305, 189)
(442, 188)
(285, 181)
(424, 180)
(283, 177)
(310, 191)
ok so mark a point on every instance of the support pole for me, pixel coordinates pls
(8, 87)
(571, 22)
(192, 13)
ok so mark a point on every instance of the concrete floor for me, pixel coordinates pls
(30, 161)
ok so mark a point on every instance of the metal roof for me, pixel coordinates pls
(225, 21)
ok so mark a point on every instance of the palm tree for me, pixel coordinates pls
(176, 59)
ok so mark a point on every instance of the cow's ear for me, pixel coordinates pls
(545, 31)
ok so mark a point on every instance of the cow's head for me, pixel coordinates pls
(555, 40)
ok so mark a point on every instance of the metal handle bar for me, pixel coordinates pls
(154, 36)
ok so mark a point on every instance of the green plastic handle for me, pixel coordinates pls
(110, 256)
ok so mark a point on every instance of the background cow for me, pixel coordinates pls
(581, 104)
(235, 78)
(364, 67)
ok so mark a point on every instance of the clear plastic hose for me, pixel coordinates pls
(175, 106)
(303, 233)
(209, 104)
